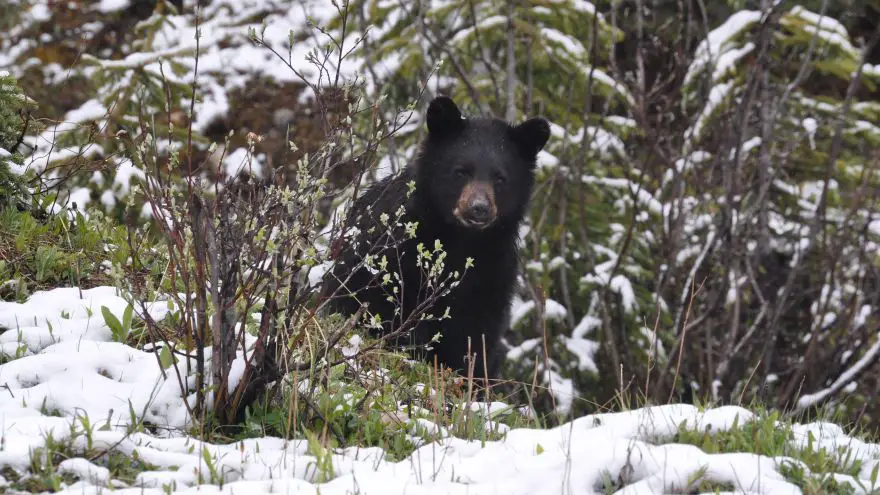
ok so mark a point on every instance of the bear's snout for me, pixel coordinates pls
(476, 205)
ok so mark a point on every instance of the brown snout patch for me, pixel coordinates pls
(473, 191)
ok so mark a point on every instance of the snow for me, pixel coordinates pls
(598, 75)
(41, 13)
(833, 38)
(685, 164)
(727, 60)
(587, 324)
(140, 59)
(107, 6)
(811, 126)
(746, 147)
(844, 379)
(125, 171)
(621, 285)
(823, 22)
(545, 160)
(85, 470)
(227, 60)
(643, 196)
(584, 351)
(522, 349)
(241, 161)
(70, 368)
(585, 7)
(90, 110)
(552, 310)
(710, 50)
(484, 24)
(570, 45)
(562, 389)
(621, 121)
(717, 96)
(68, 354)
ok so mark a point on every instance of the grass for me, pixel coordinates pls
(364, 414)
(55, 251)
(381, 400)
(45, 472)
(771, 436)
(352, 405)
(398, 405)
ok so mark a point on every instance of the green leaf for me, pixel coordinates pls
(165, 358)
(126, 318)
(112, 322)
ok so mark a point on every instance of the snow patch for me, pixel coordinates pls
(107, 6)
(70, 368)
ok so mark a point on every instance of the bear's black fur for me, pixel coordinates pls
(473, 180)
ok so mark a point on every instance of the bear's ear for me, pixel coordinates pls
(532, 135)
(443, 116)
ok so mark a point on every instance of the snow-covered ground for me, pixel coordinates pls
(62, 366)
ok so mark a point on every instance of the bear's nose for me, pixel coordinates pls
(480, 211)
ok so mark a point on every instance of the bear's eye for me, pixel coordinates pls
(461, 172)
(500, 179)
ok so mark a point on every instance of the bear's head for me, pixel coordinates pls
(478, 173)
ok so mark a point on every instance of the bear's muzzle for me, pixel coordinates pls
(476, 205)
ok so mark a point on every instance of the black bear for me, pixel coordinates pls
(473, 179)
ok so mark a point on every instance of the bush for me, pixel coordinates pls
(14, 123)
